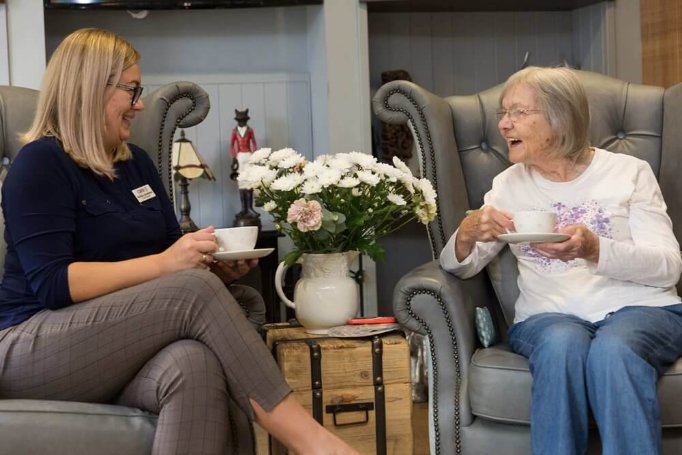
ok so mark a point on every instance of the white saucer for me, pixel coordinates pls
(537, 237)
(242, 254)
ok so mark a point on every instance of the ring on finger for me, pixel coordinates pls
(203, 258)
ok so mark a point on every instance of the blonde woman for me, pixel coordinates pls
(103, 299)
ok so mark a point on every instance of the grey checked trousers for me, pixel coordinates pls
(179, 346)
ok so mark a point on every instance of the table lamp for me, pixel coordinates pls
(188, 165)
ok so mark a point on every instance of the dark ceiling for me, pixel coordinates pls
(394, 6)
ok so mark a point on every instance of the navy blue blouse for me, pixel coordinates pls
(57, 212)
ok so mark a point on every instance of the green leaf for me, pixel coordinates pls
(375, 251)
(292, 257)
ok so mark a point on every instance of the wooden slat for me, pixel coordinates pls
(661, 22)
(346, 363)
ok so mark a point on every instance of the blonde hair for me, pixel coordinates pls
(564, 103)
(80, 77)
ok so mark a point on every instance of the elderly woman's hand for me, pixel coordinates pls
(482, 225)
(230, 271)
(583, 244)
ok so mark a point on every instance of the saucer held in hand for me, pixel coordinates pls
(535, 237)
(242, 254)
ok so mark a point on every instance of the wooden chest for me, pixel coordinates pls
(358, 388)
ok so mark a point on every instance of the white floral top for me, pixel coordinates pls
(618, 198)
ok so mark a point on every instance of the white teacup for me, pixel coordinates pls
(236, 238)
(534, 221)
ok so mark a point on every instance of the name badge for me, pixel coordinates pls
(143, 193)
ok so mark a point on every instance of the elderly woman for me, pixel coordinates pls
(103, 299)
(598, 315)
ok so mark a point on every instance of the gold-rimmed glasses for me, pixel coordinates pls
(515, 113)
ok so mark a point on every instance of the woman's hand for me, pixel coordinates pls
(583, 244)
(191, 251)
(230, 271)
(482, 225)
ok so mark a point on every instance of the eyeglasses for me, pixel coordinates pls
(516, 113)
(136, 91)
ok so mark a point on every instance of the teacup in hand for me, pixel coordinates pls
(236, 238)
(534, 221)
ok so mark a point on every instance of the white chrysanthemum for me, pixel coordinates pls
(281, 154)
(312, 169)
(408, 182)
(362, 159)
(322, 160)
(286, 182)
(349, 182)
(390, 172)
(252, 176)
(428, 191)
(329, 176)
(291, 161)
(260, 155)
(398, 163)
(269, 176)
(356, 192)
(311, 186)
(269, 206)
(368, 177)
(422, 215)
(396, 199)
(340, 162)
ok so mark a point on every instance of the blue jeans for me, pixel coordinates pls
(609, 367)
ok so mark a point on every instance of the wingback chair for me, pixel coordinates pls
(57, 427)
(480, 398)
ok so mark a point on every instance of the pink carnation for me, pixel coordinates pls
(306, 214)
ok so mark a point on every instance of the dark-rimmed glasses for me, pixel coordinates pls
(515, 113)
(135, 90)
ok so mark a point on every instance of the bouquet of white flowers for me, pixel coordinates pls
(337, 203)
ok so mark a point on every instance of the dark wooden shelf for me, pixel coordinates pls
(434, 6)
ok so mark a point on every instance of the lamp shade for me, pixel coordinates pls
(188, 162)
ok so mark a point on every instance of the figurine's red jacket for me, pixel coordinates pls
(239, 143)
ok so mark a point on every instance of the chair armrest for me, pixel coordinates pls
(175, 105)
(437, 304)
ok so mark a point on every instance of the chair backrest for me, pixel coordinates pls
(461, 149)
(17, 107)
(172, 106)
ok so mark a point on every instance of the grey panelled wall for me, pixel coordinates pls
(464, 52)
(279, 107)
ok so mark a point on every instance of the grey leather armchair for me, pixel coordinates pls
(480, 398)
(56, 427)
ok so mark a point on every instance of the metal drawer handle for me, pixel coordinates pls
(350, 407)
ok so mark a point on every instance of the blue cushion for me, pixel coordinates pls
(484, 327)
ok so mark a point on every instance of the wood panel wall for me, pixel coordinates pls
(661, 41)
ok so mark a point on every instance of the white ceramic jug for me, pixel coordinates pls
(325, 296)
